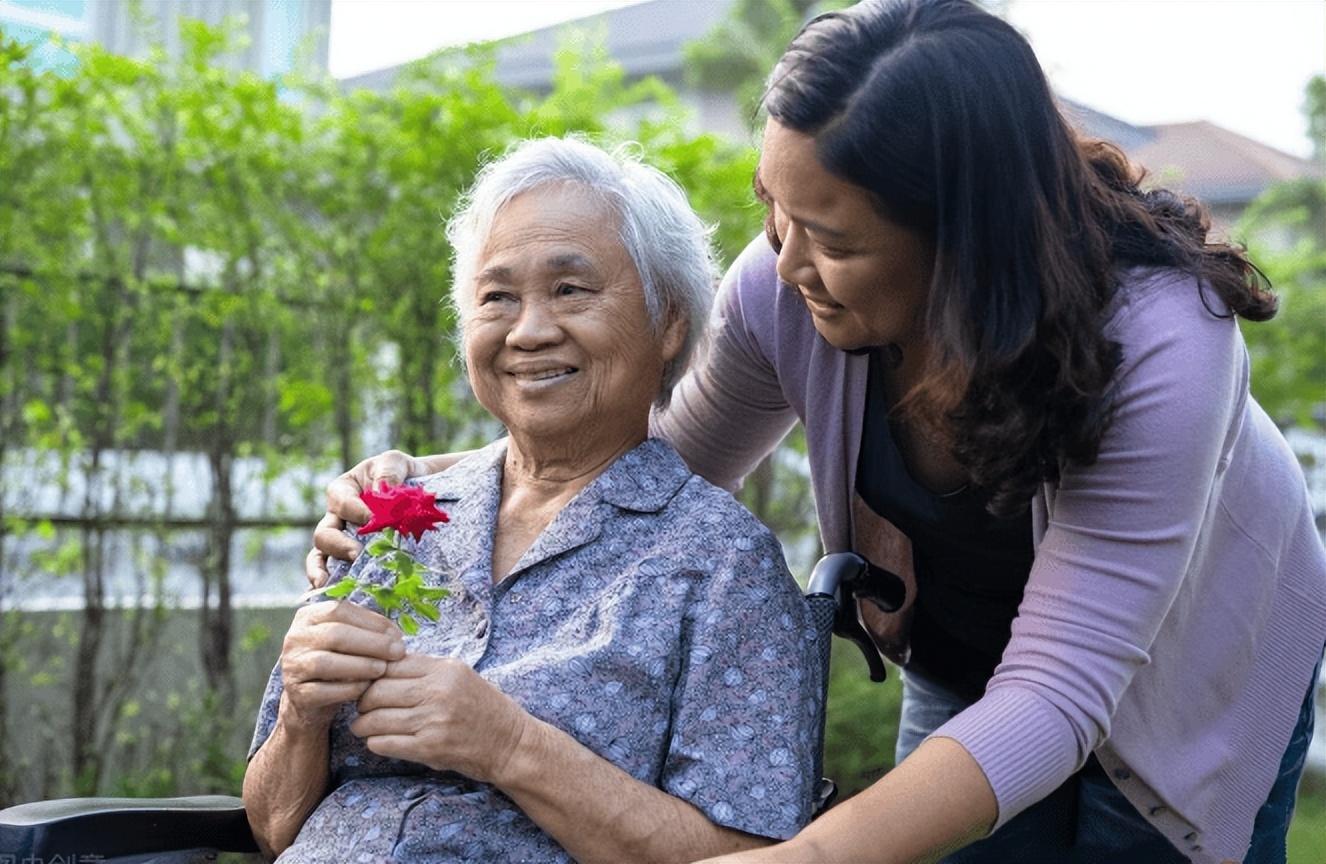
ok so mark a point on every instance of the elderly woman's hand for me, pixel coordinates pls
(439, 712)
(333, 651)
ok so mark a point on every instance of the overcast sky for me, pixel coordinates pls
(1240, 63)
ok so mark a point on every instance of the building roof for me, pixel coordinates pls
(1214, 164)
(1197, 158)
(646, 39)
(1098, 124)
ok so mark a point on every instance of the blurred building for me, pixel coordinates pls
(646, 39)
(1222, 168)
(282, 34)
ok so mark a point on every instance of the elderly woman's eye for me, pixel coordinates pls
(568, 288)
(494, 297)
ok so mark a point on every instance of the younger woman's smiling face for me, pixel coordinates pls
(558, 341)
(864, 278)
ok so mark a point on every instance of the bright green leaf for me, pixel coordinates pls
(344, 588)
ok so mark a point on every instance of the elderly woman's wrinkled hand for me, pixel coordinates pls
(439, 712)
(333, 651)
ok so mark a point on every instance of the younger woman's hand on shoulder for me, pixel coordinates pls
(344, 507)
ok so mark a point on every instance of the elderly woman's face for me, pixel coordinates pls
(558, 339)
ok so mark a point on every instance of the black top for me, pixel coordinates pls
(971, 567)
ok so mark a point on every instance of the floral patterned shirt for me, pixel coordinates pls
(653, 620)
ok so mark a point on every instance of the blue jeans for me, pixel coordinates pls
(1087, 820)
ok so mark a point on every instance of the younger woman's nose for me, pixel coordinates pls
(794, 265)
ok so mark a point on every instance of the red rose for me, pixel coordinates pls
(409, 509)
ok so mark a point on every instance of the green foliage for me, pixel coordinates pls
(1285, 230)
(190, 255)
(197, 259)
(862, 721)
(738, 54)
(1314, 106)
(406, 595)
(1307, 832)
(192, 259)
(255, 637)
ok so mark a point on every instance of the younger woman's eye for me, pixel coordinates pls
(771, 231)
(833, 252)
(829, 250)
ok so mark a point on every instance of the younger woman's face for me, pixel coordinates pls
(864, 278)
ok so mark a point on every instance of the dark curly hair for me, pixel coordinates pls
(941, 111)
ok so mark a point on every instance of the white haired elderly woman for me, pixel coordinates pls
(623, 671)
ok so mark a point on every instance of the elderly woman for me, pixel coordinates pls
(623, 668)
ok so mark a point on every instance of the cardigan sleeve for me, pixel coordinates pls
(1117, 546)
(729, 411)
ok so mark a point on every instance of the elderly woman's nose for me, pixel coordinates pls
(535, 326)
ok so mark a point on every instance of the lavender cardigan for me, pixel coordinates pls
(1177, 603)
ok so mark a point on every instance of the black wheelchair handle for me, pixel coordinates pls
(852, 630)
(885, 588)
(833, 571)
(847, 577)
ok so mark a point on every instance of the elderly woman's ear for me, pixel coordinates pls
(674, 337)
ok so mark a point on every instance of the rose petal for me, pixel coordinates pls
(409, 509)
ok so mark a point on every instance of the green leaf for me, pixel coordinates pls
(344, 588)
(408, 625)
(384, 597)
(408, 586)
(378, 547)
(428, 610)
(427, 593)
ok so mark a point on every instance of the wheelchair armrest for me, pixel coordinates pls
(109, 827)
(825, 794)
(837, 582)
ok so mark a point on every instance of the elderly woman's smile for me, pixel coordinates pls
(542, 376)
(559, 343)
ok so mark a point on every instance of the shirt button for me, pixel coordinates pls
(1190, 836)
(1122, 774)
(480, 629)
(1195, 849)
(1157, 810)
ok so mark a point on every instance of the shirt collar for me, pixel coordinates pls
(642, 480)
(645, 478)
(468, 476)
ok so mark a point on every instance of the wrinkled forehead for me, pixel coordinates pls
(554, 263)
(570, 205)
(563, 227)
